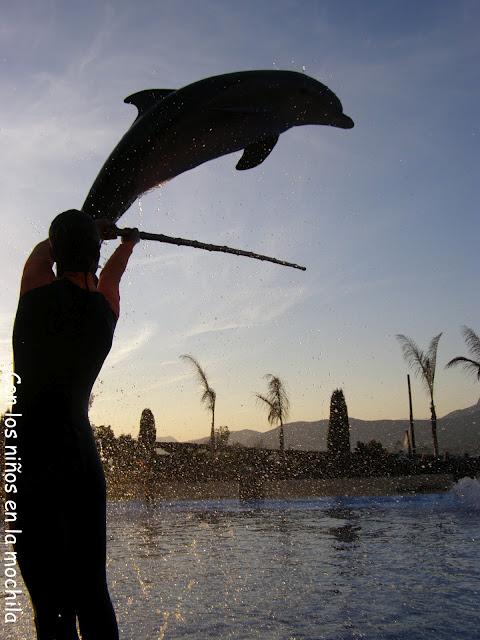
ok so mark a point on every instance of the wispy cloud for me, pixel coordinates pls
(123, 348)
(164, 381)
(250, 309)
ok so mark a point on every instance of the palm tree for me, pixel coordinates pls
(423, 363)
(209, 396)
(277, 402)
(473, 343)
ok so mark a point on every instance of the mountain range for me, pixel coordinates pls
(458, 433)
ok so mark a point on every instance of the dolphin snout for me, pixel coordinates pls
(343, 122)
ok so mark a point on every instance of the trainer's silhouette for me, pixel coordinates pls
(63, 332)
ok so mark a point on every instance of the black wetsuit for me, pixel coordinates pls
(61, 337)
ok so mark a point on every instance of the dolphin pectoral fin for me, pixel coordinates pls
(256, 153)
(144, 100)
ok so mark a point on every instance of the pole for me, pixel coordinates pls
(160, 237)
(409, 444)
(412, 428)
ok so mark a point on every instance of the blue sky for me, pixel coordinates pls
(384, 216)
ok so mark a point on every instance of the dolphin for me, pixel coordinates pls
(177, 130)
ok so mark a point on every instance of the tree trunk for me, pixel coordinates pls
(212, 432)
(282, 437)
(434, 430)
(409, 442)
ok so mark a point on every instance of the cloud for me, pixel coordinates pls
(48, 140)
(123, 348)
(164, 381)
(249, 309)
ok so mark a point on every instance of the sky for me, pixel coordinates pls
(384, 216)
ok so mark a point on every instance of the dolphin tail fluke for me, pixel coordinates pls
(256, 153)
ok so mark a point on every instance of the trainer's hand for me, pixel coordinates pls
(107, 229)
(131, 235)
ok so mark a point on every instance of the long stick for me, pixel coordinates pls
(412, 428)
(159, 237)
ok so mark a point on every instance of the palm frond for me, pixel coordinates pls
(423, 363)
(209, 395)
(432, 356)
(202, 376)
(277, 390)
(469, 365)
(263, 398)
(413, 355)
(272, 414)
(472, 340)
(277, 398)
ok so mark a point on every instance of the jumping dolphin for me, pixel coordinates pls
(177, 130)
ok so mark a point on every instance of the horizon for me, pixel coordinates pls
(384, 216)
(294, 422)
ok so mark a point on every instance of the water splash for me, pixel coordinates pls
(467, 491)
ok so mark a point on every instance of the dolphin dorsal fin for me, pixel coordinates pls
(255, 153)
(146, 99)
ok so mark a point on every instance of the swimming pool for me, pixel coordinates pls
(404, 567)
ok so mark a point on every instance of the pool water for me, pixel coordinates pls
(379, 568)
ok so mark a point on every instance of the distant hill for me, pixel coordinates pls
(458, 432)
(166, 439)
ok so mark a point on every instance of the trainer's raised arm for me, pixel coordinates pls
(112, 272)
